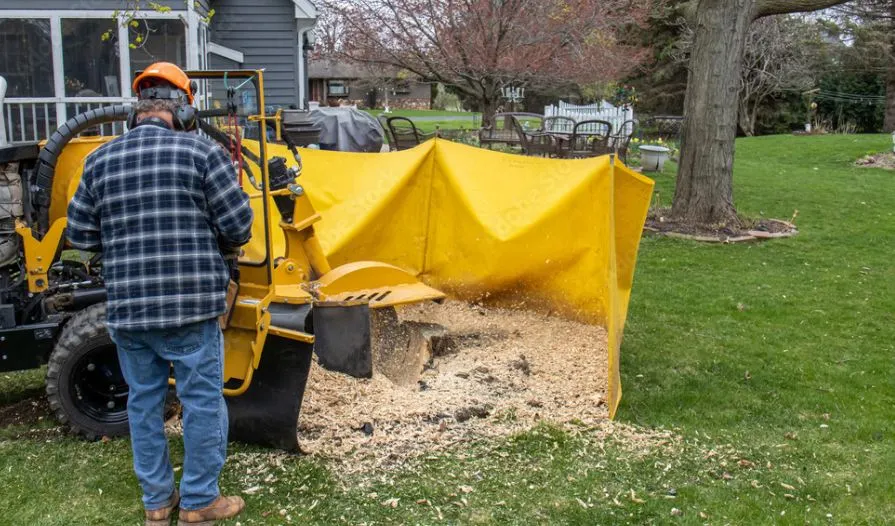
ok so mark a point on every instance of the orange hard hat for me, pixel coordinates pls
(167, 72)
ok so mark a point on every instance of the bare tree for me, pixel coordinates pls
(778, 57)
(478, 46)
(704, 187)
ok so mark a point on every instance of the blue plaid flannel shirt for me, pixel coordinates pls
(159, 205)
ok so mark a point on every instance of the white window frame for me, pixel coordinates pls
(192, 28)
(345, 86)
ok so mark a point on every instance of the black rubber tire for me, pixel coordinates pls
(84, 333)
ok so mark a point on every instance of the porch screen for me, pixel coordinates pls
(26, 57)
(90, 57)
(157, 40)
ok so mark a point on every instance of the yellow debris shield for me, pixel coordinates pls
(553, 235)
(557, 235)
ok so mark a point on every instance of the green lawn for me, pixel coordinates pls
(426, 113)
(772, 365)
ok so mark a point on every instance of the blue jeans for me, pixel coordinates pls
(197, 353)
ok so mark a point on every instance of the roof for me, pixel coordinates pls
(339, 69)
(303, 9)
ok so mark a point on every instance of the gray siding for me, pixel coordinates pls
(265, 31)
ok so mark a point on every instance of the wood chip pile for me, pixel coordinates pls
(485, 373)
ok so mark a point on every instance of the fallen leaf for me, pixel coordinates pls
(466, 489)
(390, 503)
(252, 490)
(581, 503)
(726, 476)
(635, 499)
(424, 502)
(789, 496)
(676, 512)
(787, 486)
(703, 515)
(747, 464)
(790, 435)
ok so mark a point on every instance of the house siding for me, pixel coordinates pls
(266, 32)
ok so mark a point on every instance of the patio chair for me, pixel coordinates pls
(559, 124)
(621, 139)
(503, 131)
(383, 121)
(589, 139)
(406, 134)
(535, 142)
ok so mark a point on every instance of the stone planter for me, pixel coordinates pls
(652, 157)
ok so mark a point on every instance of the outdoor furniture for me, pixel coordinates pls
(535, 142)
(503, 131)
(383, 121)
(559, 125)
(621, 140)
(653, 157)
(589, 139)
(406, 134)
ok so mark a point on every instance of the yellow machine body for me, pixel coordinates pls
(283, 268)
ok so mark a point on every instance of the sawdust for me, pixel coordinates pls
(493, 372)
(884, 160)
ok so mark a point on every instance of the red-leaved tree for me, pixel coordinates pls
(479, 46)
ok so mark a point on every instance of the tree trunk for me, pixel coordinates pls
(489, 108)
(704, 190)
(889, 124)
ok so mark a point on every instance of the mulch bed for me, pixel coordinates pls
(659, 223)
(886, 161)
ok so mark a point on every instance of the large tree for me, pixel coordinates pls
(479, 46)
(704, 190)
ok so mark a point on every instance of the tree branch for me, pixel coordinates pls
(782, 7)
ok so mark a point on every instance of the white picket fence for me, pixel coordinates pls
(602, 111)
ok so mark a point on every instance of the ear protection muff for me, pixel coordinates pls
(185, 116)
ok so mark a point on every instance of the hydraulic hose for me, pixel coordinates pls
(50, 153)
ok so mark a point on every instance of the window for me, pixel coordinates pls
(157, 40)
(26, 57)
(337, 88)
(402, 87)
(90, 57)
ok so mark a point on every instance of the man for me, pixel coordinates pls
(161, 205)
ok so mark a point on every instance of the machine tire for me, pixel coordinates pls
(84, 338)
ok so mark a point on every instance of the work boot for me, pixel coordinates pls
(221, 508)
(162, 516)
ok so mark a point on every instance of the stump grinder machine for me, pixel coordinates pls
(290, 305)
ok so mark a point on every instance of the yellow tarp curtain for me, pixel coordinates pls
(557, 235)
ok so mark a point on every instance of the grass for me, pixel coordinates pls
(426, 113)
(771, 362)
